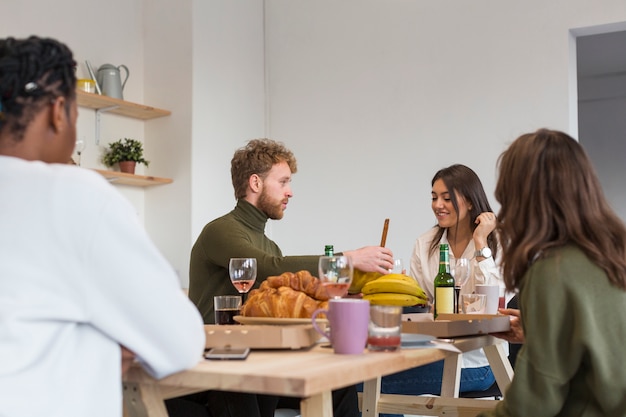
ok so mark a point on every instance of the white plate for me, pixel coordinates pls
(276, 321)
(414, 339)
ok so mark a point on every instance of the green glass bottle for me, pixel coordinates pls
(329, 250)
(444, 284)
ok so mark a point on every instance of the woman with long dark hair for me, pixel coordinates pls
(466, 223)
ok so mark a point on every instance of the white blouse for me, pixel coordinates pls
(425, 266)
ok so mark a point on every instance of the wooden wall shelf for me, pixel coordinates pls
(102, 104)
(120, 107)
(123, 178)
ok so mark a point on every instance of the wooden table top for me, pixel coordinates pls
(299, 373)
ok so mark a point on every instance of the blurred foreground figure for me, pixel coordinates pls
(83, 290)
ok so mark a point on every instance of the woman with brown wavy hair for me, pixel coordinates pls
(564, 250)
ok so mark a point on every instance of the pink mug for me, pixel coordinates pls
(348, 319)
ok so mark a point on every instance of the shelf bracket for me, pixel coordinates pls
(98, 111)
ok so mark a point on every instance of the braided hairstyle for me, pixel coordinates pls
(33, 71)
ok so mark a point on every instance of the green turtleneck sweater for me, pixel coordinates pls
(238, 234)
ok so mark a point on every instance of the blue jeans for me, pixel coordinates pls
(427, 380)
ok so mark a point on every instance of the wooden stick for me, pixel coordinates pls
(383, 239)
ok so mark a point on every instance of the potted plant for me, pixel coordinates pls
(126, 153)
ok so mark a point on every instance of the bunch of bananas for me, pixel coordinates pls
(360, 278)
(394, 289)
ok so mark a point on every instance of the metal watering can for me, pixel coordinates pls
(110, 80)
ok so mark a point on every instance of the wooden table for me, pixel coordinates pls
(310, 374)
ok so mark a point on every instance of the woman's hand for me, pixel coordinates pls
(516, 334)
(486, 224)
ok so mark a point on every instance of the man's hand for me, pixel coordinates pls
(127, 359)
(516, 334)
(371, 259)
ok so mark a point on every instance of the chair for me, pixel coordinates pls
(513, 347)
(492, 391)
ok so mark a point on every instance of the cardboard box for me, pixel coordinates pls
(453, 325)
(261, 336)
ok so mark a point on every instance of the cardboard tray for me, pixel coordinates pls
(254, 336)
(453, 325)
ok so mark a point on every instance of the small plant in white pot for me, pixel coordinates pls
(126, 153)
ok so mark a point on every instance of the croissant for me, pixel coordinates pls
(300, 281)
(283, 302)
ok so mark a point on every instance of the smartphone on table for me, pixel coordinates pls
(227, 353)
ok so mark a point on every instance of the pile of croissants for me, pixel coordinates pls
(289, 295)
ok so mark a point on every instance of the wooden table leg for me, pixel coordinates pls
(320, 405)
(371, 395)
(451, 380)
(500, 365)
(143, 400)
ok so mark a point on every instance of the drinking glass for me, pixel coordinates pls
(226, 308)
(385, 328)
(398, 267)
(79, 147)
(473, 303)
(461, 273)
(242, 273)
(335, 274)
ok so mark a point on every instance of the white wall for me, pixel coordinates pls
(94, 39)
(202, 60)
(168, 84)
(373, 96)
(228, 98)
(112, 34)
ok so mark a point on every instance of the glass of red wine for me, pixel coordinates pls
(242, 273)
(336, 274)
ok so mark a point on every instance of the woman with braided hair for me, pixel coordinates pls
(74, 260)
(35, 73)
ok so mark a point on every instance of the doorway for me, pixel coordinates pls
(601, 101)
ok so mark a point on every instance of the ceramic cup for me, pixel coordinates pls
(493, 295)
(348, 319)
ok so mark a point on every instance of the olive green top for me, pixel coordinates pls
(238, 234)
(572, 363)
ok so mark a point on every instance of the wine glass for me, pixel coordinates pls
(79, 147)
(242, 273)
(461, 273)
(335, 274)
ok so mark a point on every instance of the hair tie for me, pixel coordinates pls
(30, 87)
